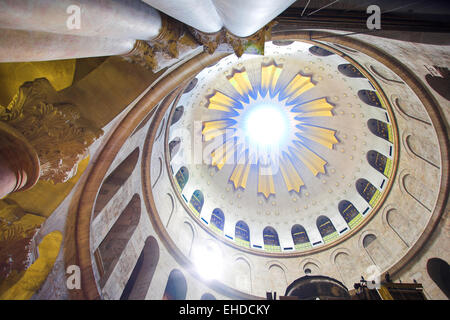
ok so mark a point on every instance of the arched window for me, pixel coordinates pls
(115, 180)
(207, 296)
(141, 277)
(380, 129)
(368, 191)
(176, 286)
(191, 85)
(300, 237)
(350, 214)
(321, 52)
(110, 249)
(242, 234)
(439, 272)
(174, 147)
(177, 114)
(326, 229)
(380, 162)
(271, 241)
(350, 70)
(182, 177)
(196, 202)
(370, 97)
(217, 221)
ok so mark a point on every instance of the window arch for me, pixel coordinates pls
(174, 147)
(350, 214)
(191, 85)
(110, 249)
(177, 114)
(326, 229)
(350, 70)
(368, 191)
(141, 277)
(271, 241)
(321, 52)
(439, 272)
(196, 202)
(370, 97)
(115, 180)
(380, 129)
(176, 286)
(217, 221)
(380, 162)
(242, 234)
(182, 177)
(300, 237)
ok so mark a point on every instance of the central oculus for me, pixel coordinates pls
(265, 125)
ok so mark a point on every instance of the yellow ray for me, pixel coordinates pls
(241, 171)
(269, 77)
(311, 160)
(215, 128)
(221, 102)
(290, 175)
(223, 153)
(323, 136)
(315, 108)
(297, 86)
(265, 181)
(241, 83)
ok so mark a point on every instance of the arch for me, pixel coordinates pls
(115, 180)
(177, 114)
(182, 177)
(370, 97)
(319, 51)
(311, 268)
(111, 248)
(350, 214)
(208, 296)
(377, 253)
(344, 263)
(243, 275)
(277, 279)
(196, 202)
(400, 225)
(142, 275)
(300, 237)
(326, 229)
(381, 129)
(349, 70)
(418, 191)
(242, 234)
(410, 110)
(439, 272)
(380, 162)
(160, 171)
(188, 240)
(383, 74)
(174, 147)
(176, 286)
(271, 241)
(160, 130)
(423, 148)
(217, 222)
(282, 43)
(368, 191)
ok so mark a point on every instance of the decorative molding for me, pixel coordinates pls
(56, 130)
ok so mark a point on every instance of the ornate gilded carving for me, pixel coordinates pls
(165, 49)
(56, 130)
(253, 44)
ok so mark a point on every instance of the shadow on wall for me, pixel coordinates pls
(440, 84)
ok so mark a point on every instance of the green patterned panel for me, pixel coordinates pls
(303, 246)
(356, 220)
(330, 237)
(375, 198)
(270, 248)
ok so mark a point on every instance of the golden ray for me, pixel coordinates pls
(223, 153)
(215, 128)
(300, 84)
(241, 171)
(311, 160)
(325, 137)
(269, 77)
(265, 181)
(221, 102)
(290, 175)
(241, 83)
(315, 108)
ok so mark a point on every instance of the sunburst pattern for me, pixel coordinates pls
(294, 151)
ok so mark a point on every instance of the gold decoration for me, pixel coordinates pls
(56, 130)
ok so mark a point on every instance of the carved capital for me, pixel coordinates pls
(55, 129)
(229, 42)
(172, 42)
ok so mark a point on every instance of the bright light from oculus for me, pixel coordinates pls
(266, 125)
(208, 260)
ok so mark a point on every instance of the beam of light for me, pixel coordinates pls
(208, 261)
